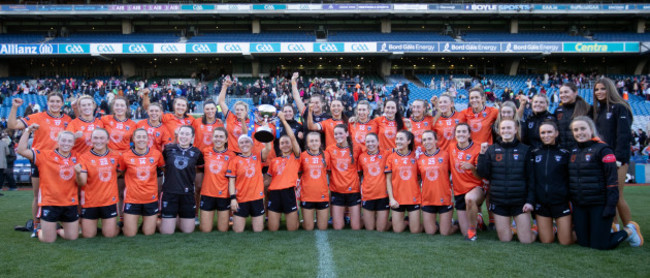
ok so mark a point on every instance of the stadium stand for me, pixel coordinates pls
(532, 36)
(111, 37)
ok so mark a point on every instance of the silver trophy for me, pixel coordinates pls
(264, 134)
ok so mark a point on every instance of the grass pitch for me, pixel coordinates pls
(308, 254)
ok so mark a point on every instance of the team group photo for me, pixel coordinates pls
(324, 139)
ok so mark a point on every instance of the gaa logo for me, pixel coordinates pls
(105, 48)
(137, 48)
(201, 48)
(168, 48)
(264, 47)
(232, 48)
(359, 47)
(296, 47)
(74, 48)
(328, 47)
(45, 49)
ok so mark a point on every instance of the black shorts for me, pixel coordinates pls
(252, 208)
(182, 205)
(104, 212)
(212, 203)
(376, 205)
(460, 202)
(553, 211)
(409, 208)
(345, 199)
(58, 213)
(34, 170)
(437, 209)
(283, 200)
(506, 210)
(315, 205)
(142, 209)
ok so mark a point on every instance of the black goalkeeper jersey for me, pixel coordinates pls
(180, 168)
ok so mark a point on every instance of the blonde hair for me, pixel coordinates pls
(589, 122)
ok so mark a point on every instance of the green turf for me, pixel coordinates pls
(295, 254)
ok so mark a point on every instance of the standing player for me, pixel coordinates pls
(420, 122)
(119, 125)
(613, 118)
(84, 124)
(284, 173)
(172, 121)
(316, 103)
(140, 166)
(479, 117)
(508, 166)
(327, 126)
(362, 124)
(446, 120)
(57, 196)
(246, 185)
(468, 190)
(552, 191)
(344, 179)
(214, 192)
(530, 126)
(389, 124)
(371, 165)
(177, 198)
(593, 191)
(314, 193)
(158, 134)
(204, 128)
(97, 177)
(50, 123)
(402, 183)
(571, 106)
(237, 123)
(433, 166)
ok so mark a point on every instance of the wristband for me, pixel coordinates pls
(233, 196)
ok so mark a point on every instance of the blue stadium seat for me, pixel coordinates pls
(21, 38)
(250, 37)
(524, 36)
(117, 38)
(394, 36)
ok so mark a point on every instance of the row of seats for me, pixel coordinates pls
(310, 37)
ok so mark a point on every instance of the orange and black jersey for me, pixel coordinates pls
(247, 171)
(344, 177)
(58, 186)
(284, 171)
(101, 186)
(140, 175)
(215, 182)
(372, 166)
(404, 178)
(434, 172)
(464, 180)
(445, 127)
(49, 128)
(83, 143)
(313, 178)
(120, 133)
(203, 132)
(158, 135)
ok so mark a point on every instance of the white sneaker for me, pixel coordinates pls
(635, 239)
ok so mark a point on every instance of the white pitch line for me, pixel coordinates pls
(326, 267)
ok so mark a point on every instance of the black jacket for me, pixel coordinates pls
(507, 167)
(593, 179)
(564, 116)
(530, 128)
(551, 175)
(614, 126)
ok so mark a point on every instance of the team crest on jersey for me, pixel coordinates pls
(531, 124)
(559, 116)
(151, 160)
(412, 161)
(254, 157)
(315, 173)
(66, 173)
(499, 157)
(440, 160)
(225, 158)
(181, 162)
(127, 127)
(468, 157)
(538, 158)
(157, 134)
(558, 158)
(432, 174)
(609, 115)
(426, 124)
(405, 174)
(516, 156)
(587, 157)
(484, 114)
(573, 158)
(374, 170)
(369, 128)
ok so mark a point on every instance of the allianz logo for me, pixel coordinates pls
(328, 47)
(359, 47)
(105, 48)
(296, 47)
(46, 49)
(137, 48)
(74, 48)
(168, 48)
(264, 47)
(232, 48)
(202, 48)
